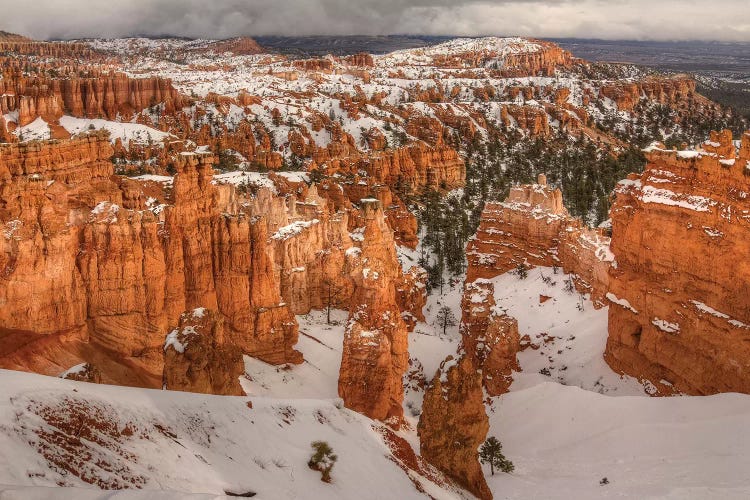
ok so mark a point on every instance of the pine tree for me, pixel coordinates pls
(445, 318)
(522, 271)
(322, 460)
(491, 452)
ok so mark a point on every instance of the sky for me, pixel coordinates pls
(724, 20)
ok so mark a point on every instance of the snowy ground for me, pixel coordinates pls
(570, 333)
(160, 440)
(565, 440)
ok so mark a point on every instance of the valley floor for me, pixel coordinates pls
(568, 423)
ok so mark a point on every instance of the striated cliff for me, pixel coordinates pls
(105, 96)
(680, 313)
(86, 279)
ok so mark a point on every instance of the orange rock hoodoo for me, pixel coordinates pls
(489, 337)
(375, 353)
(680, 293)
(532, 227)
(90, 274)
(198, 358)
(453, 424)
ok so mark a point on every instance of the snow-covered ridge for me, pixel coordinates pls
(495, 46)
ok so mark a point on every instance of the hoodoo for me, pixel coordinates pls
(680, 292)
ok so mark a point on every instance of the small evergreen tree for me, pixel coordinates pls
(522, 271)
(491, 452)
(322, 460)
(445, 318)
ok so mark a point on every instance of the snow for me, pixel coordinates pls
(666, 326)
(124, 131)
(651, 194)
(293, 229)
(38, 130)
(241, 177)
(173, 341)
(564, 440)
(207, 445)
(74, 370)
(620, 302)
(571, 341)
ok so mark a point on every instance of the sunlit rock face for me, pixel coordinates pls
(679, 292)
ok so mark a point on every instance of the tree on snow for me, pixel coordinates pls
(491, 452)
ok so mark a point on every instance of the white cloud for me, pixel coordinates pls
(630, 19)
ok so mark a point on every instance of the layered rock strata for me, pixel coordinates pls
(680, 292)
(533, 228)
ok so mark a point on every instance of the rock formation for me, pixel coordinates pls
(375, 353)
(453, 424)
(197, 357)
(111, 275)
(489, 337)
(106, 96)
(533, 228)
(679, 294)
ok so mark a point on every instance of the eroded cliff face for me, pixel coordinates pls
(375, 352)
(87, 279)
(670, 91)
(533, 228)
(197, 357)
(453, 424)
(104, 96)
(489, 337)
(679, 294)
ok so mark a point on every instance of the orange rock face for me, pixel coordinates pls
(489, 337)
(532, 227)
(453, 424)
(679, 294)
(104, 96)
(663, 90)
(198, 359)
(86, 279)
(375, 353)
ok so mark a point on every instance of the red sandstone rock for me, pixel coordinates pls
(109, 279)
(532, 227)
(197, 357)
(489, 337)
(680, 313)
(453, 424)
(375, 353)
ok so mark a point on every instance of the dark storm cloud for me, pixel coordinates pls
(633, 19)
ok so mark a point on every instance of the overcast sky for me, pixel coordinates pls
(610, 19)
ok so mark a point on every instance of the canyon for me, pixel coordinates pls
(209, 217)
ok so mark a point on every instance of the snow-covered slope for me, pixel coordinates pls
(157, 440)
(564, 440)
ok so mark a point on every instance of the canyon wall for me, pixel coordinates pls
(91, 272)
(679, 293)
(103, 96)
